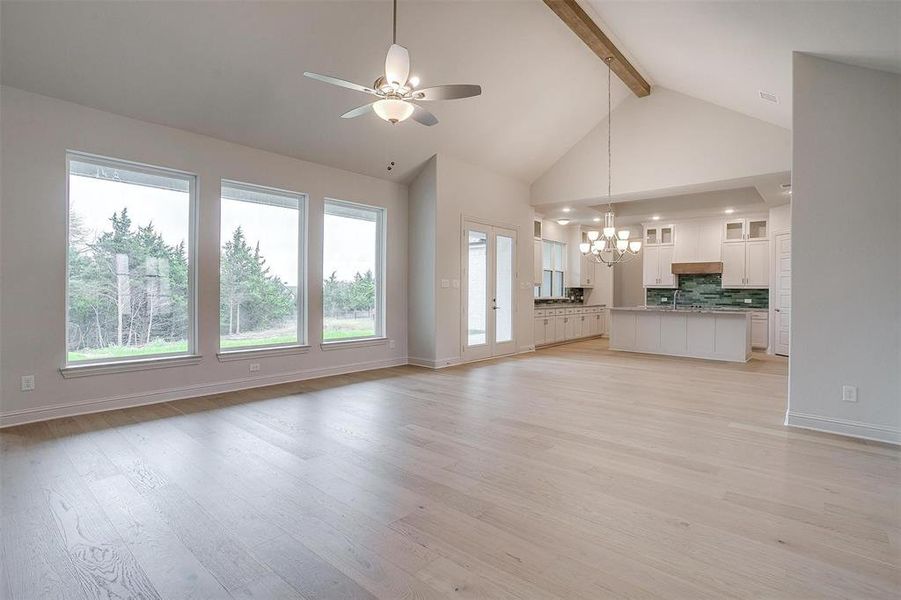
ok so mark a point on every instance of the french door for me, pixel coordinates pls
(489, 291)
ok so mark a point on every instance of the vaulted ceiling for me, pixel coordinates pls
(233, 70)
(726, 52)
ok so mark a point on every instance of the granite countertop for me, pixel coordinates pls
(722, 310)
(540, 305)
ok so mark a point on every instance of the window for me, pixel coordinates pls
(261, 282)
(130, 283)
(553, 266)
(353, 251)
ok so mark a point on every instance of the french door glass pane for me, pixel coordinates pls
(503, 324)
(258, 267)
(477, 287)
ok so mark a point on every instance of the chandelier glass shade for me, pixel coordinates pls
(610, 246)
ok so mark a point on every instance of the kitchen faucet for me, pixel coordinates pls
(676, 298)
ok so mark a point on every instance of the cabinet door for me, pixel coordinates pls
(757, 269)
(709, 241)
(665, 267)
(686, 247)
(759, 332)
(733, 265)
(667, 235)
(540, 331)
(587, 275)
(560, 328)
(756, 229)
(651, 236)
(650, 265)
(734, 230)
(596, 324)
(604, 322)
(569, 327)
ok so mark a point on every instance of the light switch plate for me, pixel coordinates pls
(27, 383)
(445, 283)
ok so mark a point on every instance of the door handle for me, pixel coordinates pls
(778, 310)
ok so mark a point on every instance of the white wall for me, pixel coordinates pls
(846, 299)
(36, 132)
(469, 191)
(423, 222)
(666, 140)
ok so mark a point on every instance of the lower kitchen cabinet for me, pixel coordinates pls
(760, 330)
(555, 325)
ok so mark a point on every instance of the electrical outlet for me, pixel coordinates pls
(392, 344)
(27, 383)
(849, 393)
(664, 299)
(748, 300)
(254, 367)
(456, 283)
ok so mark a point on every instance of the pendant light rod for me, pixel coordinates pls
(394, 25)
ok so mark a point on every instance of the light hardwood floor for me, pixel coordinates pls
(571, 473)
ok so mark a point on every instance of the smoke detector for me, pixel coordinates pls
(768, 96)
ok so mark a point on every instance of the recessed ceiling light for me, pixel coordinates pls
(563, 221)
(656, 217)
(566, 209)
(729, 211)
(596, 219)
(768, 96)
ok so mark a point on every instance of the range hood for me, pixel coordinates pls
(697, 268)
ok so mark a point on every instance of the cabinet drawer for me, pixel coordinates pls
(540, 312)
(559, 311)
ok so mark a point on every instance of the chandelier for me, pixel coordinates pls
(609, 246)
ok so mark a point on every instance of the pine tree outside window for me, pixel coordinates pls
(261, 278)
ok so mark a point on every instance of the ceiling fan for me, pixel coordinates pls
(396, 90)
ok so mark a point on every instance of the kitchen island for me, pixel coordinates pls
(716, 334)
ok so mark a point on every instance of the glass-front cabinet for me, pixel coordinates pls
(745, 229)
(660, 235)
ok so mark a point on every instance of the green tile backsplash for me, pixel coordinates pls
(706, 291)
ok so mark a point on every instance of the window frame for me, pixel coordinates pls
(191, 245)
(381, 273)
(302, 287)
(555, 268)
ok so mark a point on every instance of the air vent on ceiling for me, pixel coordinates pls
(769, 97)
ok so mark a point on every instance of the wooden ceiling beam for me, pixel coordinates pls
(588, 31)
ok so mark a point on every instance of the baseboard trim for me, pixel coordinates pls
(855, 429)
(441, 363)
(32, 415)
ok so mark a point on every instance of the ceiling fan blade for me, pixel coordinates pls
(340, 82)
(397, 65)
(448, 92)
(359, 111)
(422, 116)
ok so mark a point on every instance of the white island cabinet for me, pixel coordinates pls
(713, 334)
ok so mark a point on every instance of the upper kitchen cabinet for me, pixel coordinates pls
(657, 267)
(745, 229)
(698, 241)
(659, 235)
(746, 264)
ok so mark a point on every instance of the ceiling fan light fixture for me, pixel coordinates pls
(393, 110)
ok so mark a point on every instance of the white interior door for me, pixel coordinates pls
(783, 293)
(489, 291)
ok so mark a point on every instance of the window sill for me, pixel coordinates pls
(232, 355)
(144, 364)
(359, 343)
